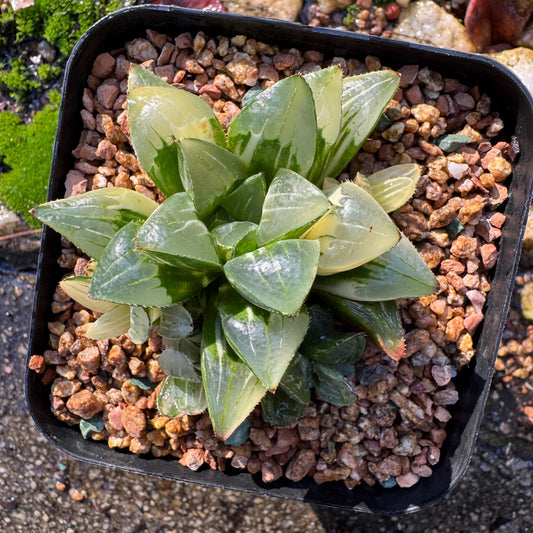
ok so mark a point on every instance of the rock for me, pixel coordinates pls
(496, 21)
(75, 184)
(141, 50)
(425, 22)
(84, 404)
(46, 51)
(107, 93)
(520, 61)
(527, 37)
(407, 480)
(9, 221)
(300, 465)
(103, 66)
(328, 6)
(193, 458)
(275, 9)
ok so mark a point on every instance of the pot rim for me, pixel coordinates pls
(373, 499)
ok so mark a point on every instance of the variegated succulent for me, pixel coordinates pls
(254, 242)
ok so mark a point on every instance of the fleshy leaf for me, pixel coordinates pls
(380, 320)
(326, 86)
(235, 238)
(265, 341)
(93, 425)
(208, 172)
(356, 231)
(336, 349)
(288, 403)
(399, 273)
(77, 287)
(240, 435)
(113, 323)
(179, 397)
(393, 186)
(159, 116)
(364, 98)
(332, 386)
(176, 363)
(90, 220)
(291, 206)
(246, 201)
(139, 76)
(329, 185)
(231, 388)
(173, 234)
(276, 277)
(127, 276)
(139, 329)
(175, 324)
(142, 383)
(277, 129)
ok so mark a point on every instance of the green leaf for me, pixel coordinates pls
(173, 234)
(240, 435)
(142, 383)
(235, 238)
(77, 287)
(218, 218)
(277, 129)
(113, 323)
(330, 185)
(332, 386)
(291, 206)
(178, 397)
(393, 186)
(356, 231)
(380, 320)
(276, 277)
(139, 329)
(246, 201)
(175, 324)
(399, 273)
(90, 220)
(93, 425)
(176, 363)
(326, 86)
(127, 276)
(265, 341)
(208, 172)
(288, 403)
(161, 115)
(364, 98)
(336, 349)
(232, 389)
(139, 76)
(250, 94)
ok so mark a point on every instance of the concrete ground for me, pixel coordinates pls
(42, 490)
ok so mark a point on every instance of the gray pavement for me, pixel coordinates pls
(496, 494)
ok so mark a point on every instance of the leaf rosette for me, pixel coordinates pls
(255, 248)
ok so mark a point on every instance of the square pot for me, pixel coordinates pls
(509, 98)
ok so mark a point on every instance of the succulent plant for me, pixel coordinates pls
(254, 242)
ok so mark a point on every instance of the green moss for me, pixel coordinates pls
(351, 14)
(48, 72)
(19, 81)
(62, 22)
(27, 151)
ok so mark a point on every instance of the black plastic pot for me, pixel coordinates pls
(515, 106)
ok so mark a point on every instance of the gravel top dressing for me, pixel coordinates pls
(394, 431)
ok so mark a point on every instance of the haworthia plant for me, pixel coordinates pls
(253, 223)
